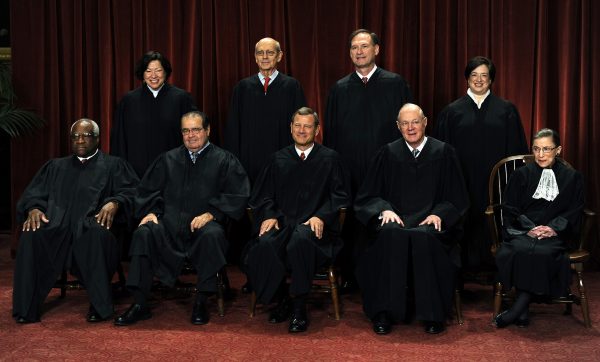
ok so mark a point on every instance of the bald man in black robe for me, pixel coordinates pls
(296, 202)
(412, 202)
(67, 212)
(184, 201)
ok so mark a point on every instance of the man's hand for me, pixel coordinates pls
(433, 219)
(267, 225)
(148, 218)
(33, 220)
(199, 221)
(107, 214)
(316, 225)
(542, 232)
(390, 216)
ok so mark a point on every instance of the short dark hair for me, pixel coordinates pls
(142, 64)
(548, 132)
(202, 115)
(374, 37)
(306, 111)
(477, 61)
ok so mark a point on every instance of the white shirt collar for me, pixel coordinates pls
(87, 158)
(306, 152)
(200, 150)
(478, 99)
(155, 92)
(420, 147)
(360, 76)
(271, 77)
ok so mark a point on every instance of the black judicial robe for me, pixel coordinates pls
(413, 189)
(539, 266)
(292, 191)
(70, 194)
(177, 190)
(259, 124)
(361, 118)
(481, 138)
(144, 126)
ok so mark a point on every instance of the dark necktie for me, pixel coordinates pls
(302, 156)
(194, 155)
(365, 80)
(415, 152)
(267, 79)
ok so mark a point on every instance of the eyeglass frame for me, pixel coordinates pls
(192, 131)
(269, 53)
(414, 122)
(545, 150)
(85, 135)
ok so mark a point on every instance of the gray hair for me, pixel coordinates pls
(96, 129)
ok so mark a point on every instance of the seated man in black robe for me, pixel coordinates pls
(67, 212)
(295, 201)
(411, 201)
(184, 201)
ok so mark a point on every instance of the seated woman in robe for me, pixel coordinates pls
(542, 209)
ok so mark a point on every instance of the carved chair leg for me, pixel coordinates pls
(335, 298)
(583, 296)
(252, 307)
(458, 306)
(497, 299)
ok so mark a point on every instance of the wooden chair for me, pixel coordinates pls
(497, 183)
(330, 273)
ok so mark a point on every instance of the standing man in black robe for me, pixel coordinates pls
(360, 115)
(146, 122)
(261, 107)
(184, 201)
(67, 212)
(483, 129)
(411, 201)
(296, 201)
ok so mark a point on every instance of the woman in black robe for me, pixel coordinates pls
(542, 209)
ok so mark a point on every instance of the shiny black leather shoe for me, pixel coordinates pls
(432, 327)
(281, 313)
(499, 322)
(199, 314)
(299, 322)
(23, 320)
(381, 323)
(135, 313)
(93, 316)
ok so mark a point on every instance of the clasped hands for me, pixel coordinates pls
(104, 217)
(197, 223)
(390, 216)
(316, 225)
(541, 232)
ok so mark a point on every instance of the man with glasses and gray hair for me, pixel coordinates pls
(68, 212)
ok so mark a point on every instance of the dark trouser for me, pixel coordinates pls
(42, 256)
(383, 272)
(294, 248)
(154, 254)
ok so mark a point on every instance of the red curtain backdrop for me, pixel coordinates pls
(75, 58)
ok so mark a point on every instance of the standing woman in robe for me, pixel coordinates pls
(542, 209)
(147, 120)
(484, 129)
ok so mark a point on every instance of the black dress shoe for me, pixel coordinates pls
(136, 312)
(522, 322)
(381, 323)
(434, 327)
(199, 314)
(281, 313)
(299, 322)
(23, 320)
(93, 316)
(499, 322)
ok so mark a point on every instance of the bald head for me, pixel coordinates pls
(268, 42)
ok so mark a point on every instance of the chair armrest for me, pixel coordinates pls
(493, 227)
(342, 216)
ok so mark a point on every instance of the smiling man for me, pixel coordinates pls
(68, 212)
(295, 202)
(411, 202)
(184, 202)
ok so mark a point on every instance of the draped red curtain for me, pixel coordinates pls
(75, 58)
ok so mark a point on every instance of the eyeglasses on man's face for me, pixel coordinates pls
(414, 123)
(269, 53)
(188, 131)
(86, 136)
(544, 150)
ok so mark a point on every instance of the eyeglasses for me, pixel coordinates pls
(270, 53)
(194, 131)
(86, 136)
(545, 150)
(414, 122)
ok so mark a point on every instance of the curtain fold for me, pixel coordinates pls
(74, 58)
